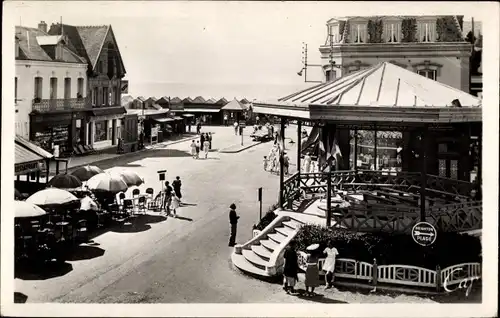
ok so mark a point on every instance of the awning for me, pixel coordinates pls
(202, 110)
(23, 155)
(163, 120)
(28, 156)
(108, 111)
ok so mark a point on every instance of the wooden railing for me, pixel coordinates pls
(458, 187)
(48, 105)
(458, 217)
(408, 275)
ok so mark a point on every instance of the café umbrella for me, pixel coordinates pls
(107, 182)
(52, 197)
(27, 210)
(65, 181)
(131, 178)
(86, 172)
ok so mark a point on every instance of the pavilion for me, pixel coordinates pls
(410, 144)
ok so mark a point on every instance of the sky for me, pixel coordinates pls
(213, 49)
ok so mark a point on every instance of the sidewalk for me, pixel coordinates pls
(74, 162)
(235, 148)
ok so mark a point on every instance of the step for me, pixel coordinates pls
(277, 237)
(256, 260)
(292, 224)
(242, 264)
(285, 231)
(270, 245)
(262, 252)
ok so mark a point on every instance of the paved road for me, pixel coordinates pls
(159, 260)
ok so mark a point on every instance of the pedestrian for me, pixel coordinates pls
(307, 162)
(202, 141)
(193, 149)
(225, 119)
(235, 128)
(177, 184)
(233, 221)
(291, 268)
(206, 147)
(168, 197)
(56, 151)
(286, 163)
(210, 140)
(312, 270)
(329, 265)
(197, 149)
(198, 128)
(265, 163)
(174, 205)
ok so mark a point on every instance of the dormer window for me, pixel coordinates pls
(392, 32)
(334, 33)
(426, 31)
(59, 51)
(358, 33)
(17, 48)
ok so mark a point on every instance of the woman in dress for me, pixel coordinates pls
(206, 147)
(329, 265)
(197, 147)
(312, 271)
(193, 149)
(210, 140)
(307, 163)
(202, 141)
(174, 205)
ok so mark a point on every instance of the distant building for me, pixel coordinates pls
(432, 46)
(50, 89)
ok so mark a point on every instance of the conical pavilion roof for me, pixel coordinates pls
(383, 85)
(234, 105)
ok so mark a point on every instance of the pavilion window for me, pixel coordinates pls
(428, 73)
(426, 31)
(389, 151)
(392, 32)
(454, 169)
(358, 33)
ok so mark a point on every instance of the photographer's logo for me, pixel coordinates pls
(463, 283)
(424, 233)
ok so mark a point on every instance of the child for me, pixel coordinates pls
(174, 205)
(265, 163)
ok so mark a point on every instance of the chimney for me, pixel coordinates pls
(42, 26)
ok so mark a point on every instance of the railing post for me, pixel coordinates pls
(282, 173)
(329, 196)
(374, 274)
(438, 278)
(423, 180)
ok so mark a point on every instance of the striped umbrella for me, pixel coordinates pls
(27, 210)
(52, 197)
(86, 172)
(107, 182)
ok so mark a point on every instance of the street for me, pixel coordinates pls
(184, 259)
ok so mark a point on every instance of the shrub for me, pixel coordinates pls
(267, 219)
(387, 248)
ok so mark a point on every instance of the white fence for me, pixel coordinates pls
(400, 274)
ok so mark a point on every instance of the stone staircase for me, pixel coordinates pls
(263, 254)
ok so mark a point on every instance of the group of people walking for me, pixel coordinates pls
(291, 267)
(204, 144)
(171, 197)
(272, 161)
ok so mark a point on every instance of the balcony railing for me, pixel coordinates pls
(48, 105)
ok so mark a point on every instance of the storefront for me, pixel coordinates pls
(62, 129)
(104, 127)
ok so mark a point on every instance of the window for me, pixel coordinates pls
(335, 36)
(99, 67)
(428, 73)
(80, 88)
(101, 130)
(426, 31)
(67, 88)
(94, 96)
(53, 88)
(38, 87)
(442, 167)
(118, 96)
(112, 96)
(392, 31)
(105, 96)
(331, 75)
(454, 169)
(358, 33)
(15, 90)
(443, 148)
(59, 52)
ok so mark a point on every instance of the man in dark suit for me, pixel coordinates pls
(233, 221)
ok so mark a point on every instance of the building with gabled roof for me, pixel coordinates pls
(50, 88)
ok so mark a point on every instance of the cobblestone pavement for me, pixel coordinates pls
(185, 259)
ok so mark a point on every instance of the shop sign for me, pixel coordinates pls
(26, 167)
(124, 87)
(154, 131)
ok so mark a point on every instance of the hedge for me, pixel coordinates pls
(267, 219)
(388, 248)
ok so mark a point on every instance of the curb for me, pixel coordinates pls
(241, 149)
(129, 153)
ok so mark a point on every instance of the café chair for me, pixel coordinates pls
(81, 231)
(142, 204)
